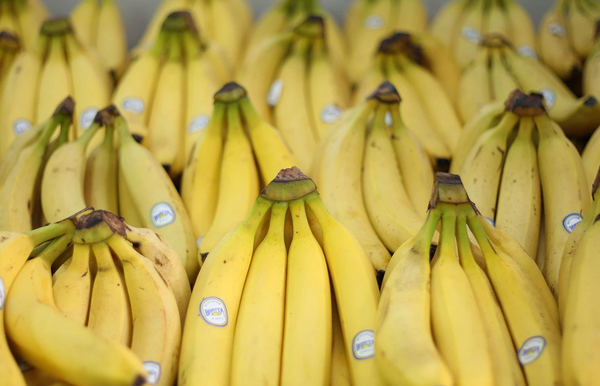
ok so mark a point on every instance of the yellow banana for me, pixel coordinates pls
(228, 32)
(84, 18)
(495, 19)
(590, 156)
(591, 71)
(111, 42)
(502, 81)
(340, 373)
(444, 24)
(467, 34)
(412, 16)
(581, 28)
(521, 29)
(475, 87)
(271, 22)
(101, 175)
(152, 33)
(72, 290)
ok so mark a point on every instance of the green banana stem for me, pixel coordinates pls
(50, 231)
(65, 127)
(160, 44)
(248, 112)
(191, 44)
(427, 230)
(123, 130)
(48, 132)
(89, 133)
(480, 235)
(55, 249)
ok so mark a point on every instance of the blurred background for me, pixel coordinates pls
(137, 12)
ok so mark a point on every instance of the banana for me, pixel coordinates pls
(389, 208)
(156, 334)
(84, 18)
(8, 20)
(92, 88)
(152, 33)
(200, 181)
(306, 261)
(60, 346)
(30, 16)
(242, 10)
(340, 175)
(475, 87)
(271, 22)
(262, 309)
(564, 207)
(405, 352)
(101, 175)
(482, 169)
(467, 34)
(505, 366)
(111, 42)
(135, 91)
(412, 16)
(502, 81)
(356, 293)
(581, 28)
(457, 323)
(153, 198)
(521, 29)
(166, 261)
(534, 332)
(62, 188)
(291, 112)
(374, 76)
(519, 207)
(110, 309)
(591, 71)
(554, 47)
(495, 19)
(72, 290)
(217, 294)
(340, 373)
(216, 54)
(270, 150)
(444, 24)
(228, 32)
(590, 156)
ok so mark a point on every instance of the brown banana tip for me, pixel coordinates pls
(231, 92)
(107, 115)
(177, 21)
(590, 102)
(139, 381)
(395, 42)
(77, 215)
(447, 188)
(312, 26)
(9, 39)
(525, 105)
(67, 106)
(289, 184)
(494, 40)
(385, 93)
(56, 26)
(114, 222)
(290, 175)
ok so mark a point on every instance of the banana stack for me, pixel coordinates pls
(566, 36)
(166, 93)
(23, 18)
(296, 83)
(112, 298)
(57, 66)
(578, 291)
(374, 175)
(513, 157)
(498, 69)
(99, 24)
(221, 179)
(460, 24)
(267, 281)
(226, 22)
(479, 313)
(125, 179)
(368, 22)
(425, 75)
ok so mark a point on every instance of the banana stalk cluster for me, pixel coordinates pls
(56, 67)
(426, 76)
(498, 69)
(23, 18)
(166, 93)
(478, 313)
(374, 176)
(121, 176)
(99, 24)
(369, 21)
(263, 297)
(461, 24)
(221, 179)
(112, 299)
(511, 157)
(226, 22)
(298, 84)
(566, 35)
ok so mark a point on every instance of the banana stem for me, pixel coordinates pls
(48, 132)
(89, 133)
(49, 232)
(55, 249)
(480, 235)
(427, 230)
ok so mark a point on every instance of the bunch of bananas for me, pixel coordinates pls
(112, 298)
(226, 22)
(374, 176)
(460, 318)
(221, 181)
(296, 83)
(426, 77)
(123, 178)
(57, 66)
(369, 21)
(511, 158)
(566, 35)
(166, 93)
(498, 69)
(99, 24)
(460, 24)
(23, 18)
(263, 298)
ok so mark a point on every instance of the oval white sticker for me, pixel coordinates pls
(571, 220)
(199, 241)
(491, 221)
(373, 22)
(531, 350)
(2, 294)
(153, 369)
(87, 117)
(134, 105)
(557, 29)
(198, 123)
(363, 344)
(527, 51)
(388, 118)
(275, 92)
(214, 311)
(330, 113)
(162, 214)
(21, 125)
(471, 34)
(549, 97)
